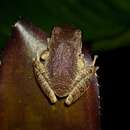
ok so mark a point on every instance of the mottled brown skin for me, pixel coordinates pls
(64, 70)
(61, 66)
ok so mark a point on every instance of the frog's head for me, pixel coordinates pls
(69, 36)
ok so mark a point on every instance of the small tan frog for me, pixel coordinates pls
(62, 70)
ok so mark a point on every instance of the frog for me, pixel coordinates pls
(62, 70)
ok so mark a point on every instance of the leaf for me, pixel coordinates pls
(23, 106)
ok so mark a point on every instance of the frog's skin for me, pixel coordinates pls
(62, 70)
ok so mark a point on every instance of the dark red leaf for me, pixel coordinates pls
(23, 106)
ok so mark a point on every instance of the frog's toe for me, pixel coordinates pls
(52, 97)
(69, 100)
(54, 100)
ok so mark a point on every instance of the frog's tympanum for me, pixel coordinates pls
(62, 70)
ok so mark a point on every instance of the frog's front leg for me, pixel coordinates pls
(82, 82)
(40, 73)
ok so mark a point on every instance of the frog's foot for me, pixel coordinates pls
(82, 82)
(39, 70)
(78, 90)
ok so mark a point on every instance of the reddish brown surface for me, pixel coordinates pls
(23, 106)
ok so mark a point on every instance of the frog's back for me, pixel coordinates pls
(61, 70)
(62, 66)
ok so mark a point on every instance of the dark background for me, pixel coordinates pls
(106, 27)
